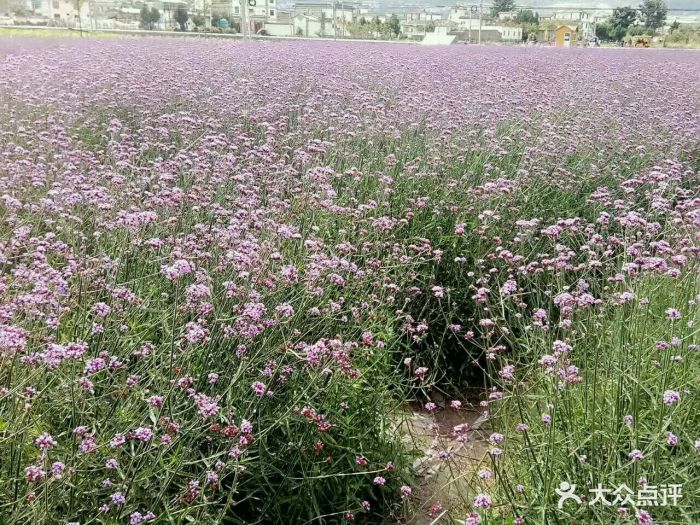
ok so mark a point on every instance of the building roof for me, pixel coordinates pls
(570, 28)
(309, 17)
(346, 5)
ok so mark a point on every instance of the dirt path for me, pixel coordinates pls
(446, 465)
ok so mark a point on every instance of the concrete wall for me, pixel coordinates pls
(278, 29)
(309, 27)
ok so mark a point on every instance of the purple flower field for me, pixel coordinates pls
(227, 266)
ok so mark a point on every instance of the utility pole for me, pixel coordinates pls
(469, 29)
(342, 13)
(481, 8)
(244, 18)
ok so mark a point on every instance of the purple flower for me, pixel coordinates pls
(508, 373)
(644, 518)
(118, 498)
(34, 473)
(548, 360)
(117, 441)
(420, 372)
(102, 309)
(671, 397)
(178, 269)
(45, 441)
(258, 388)
(143, 434)
(673, 314)
(57, 469)
(636, 455)
(472, 518)
(672, 439)
(156, 401)
(483, 501)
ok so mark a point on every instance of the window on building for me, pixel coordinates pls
(272, 12)
(271, 1)
(236, 10)
(54, 4)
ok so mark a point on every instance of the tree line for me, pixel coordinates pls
(648, 18)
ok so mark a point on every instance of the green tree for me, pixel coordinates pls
(430, 27)
(623, 17)
(155, 17)
(394, 25)
(16, 7)
(145, 16)
(360, 30)
(526, 17)
(530, 32)
(501, 6)
(149, 17)
(616, 27)
(653, 13)
(674, 26)
(181, 17)
(603, 31)
(637, 30)
(682, 36)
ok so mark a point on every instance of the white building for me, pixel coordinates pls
(460, 16)
(492, 33)
(65, 13)
(311, 26)
(262, 12)
(466, 19)
(585, 22)
(347, 11)
(416, 24)
(330, 17)
(507, 15)
(282, 25)
(509, 33)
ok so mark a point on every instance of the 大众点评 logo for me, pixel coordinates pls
(622, 495)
